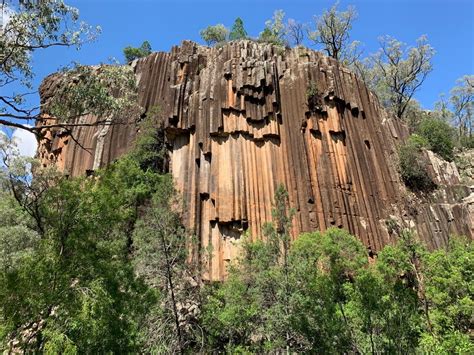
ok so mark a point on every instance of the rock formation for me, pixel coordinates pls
(242, 118)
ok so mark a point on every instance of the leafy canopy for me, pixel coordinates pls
(132, 53)
(214, 34)
(274, 31)
(332, 33)
(396, 71)
(238, 31)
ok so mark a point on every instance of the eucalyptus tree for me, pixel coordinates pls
(462, 101)
(214, 34)
(397, 71)
(295, 32)
(29, 26)
(274, 31)
(332, 33)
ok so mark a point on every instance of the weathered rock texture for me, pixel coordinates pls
(245, 117)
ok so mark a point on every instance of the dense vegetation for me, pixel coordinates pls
(101, 264)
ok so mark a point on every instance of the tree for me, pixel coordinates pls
(252, 307)
(332, 33)
(323, 266)
(238, 31)
(387, 291)
(439, 135)
(132, 53)
(448, 275)
(214, 34)
(39, 25)
(396, 72)
(161, 253)
(108, 92)
(414, 164)
(68, 285)
(415, 114)
(295, 32)
(274, 31)
(462, 101)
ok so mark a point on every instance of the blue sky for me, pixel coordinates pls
(449, 25)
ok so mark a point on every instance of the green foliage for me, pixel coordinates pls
(440, 136)
(253, 305)
(108, 91)
(66, 283)
(214, 34)
(161, 257)
(238, 31)
(414, 115)
(78, 281)
(33, 26)
(150, 149)
(132, 53)
(462, 103)
(413, 164)
(449, 276)
(332, 33)
(467, 142)
(274, 31)
(17, 237)
(314, 97)
(396, 71)
(404, 302)
(104, 266)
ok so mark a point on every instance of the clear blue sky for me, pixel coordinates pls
(449, 25)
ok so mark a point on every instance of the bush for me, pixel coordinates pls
(413, 164)
(440, 136)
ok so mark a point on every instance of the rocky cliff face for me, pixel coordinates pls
(243, 118)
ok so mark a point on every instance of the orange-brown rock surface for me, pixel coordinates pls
(242, 118)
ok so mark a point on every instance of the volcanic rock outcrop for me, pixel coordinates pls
(242, 118)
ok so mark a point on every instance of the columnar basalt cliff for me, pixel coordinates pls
(242, 118)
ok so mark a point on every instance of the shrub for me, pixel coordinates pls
(413, 164)
(440, 136)
(313, 97)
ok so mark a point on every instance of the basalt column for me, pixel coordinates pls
(245, 117)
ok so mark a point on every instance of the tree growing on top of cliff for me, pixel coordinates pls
(274, 31)
(238, 31)
(214, 34)
(295, 32)
(30, 26)
(132, 53)
(396, 71)
(332, 33)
